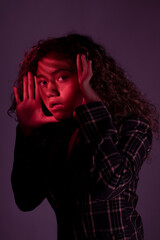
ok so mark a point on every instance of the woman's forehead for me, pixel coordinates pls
(52, 62)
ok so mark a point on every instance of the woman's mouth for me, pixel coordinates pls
(56, 106)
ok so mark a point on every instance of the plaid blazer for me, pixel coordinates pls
(88, 170)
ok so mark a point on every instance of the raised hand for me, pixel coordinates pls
(84, 71)
(29, 110)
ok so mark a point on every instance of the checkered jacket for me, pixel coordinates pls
(88, 170)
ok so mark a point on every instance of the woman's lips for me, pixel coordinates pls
(56, 106)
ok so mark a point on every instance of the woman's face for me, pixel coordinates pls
(58, 86)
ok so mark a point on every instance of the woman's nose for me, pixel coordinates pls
(52, 89)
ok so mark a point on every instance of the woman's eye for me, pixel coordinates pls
(42, 83)
(62, 78)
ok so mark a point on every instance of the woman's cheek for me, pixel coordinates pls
(41, 92)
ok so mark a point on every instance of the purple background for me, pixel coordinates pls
(130, 30)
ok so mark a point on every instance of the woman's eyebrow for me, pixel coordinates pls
(62, 69)
(56, 72)
(40, 76)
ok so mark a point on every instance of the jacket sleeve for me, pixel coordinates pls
(28, 173)
(118, 154)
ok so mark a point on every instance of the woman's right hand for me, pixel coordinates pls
(29, 110)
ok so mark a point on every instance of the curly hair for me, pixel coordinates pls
(109, 80)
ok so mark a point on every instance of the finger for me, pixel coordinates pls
(37, 97)
(15, 90)
(79, 65)
(84, 64)
(31, 89)
(85, 67)
(90, 72)
(49, 119)
(25, 88)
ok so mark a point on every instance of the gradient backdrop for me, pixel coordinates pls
(130, 30)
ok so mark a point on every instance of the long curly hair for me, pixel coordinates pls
(109, 80)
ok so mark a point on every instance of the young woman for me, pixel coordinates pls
(84, 132)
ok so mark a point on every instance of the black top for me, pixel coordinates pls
(91, 188)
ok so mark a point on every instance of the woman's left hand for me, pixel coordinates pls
(84, 72)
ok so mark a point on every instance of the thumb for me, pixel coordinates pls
(49, 119)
